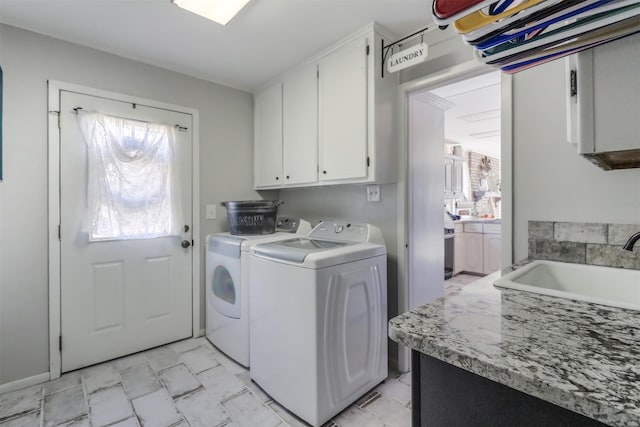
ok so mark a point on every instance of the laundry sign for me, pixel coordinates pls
(407, 58)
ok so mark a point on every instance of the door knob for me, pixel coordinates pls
(185, 244)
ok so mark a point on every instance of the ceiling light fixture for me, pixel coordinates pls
(220, 11)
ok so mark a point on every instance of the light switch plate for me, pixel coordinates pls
(373, 193)
(211, 211)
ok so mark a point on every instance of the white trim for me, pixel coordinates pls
(24, 383)
(54, 88)
(506, 169)
(461, 71)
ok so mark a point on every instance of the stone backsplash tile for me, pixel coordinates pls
(558, 251)
(541, 230)
(580, 232)
(620, 233)
(613, 256)
(590, 243)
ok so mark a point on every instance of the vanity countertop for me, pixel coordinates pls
(581, 356)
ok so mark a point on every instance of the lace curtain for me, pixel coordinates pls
(132, 190)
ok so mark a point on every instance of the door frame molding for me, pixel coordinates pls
(455, 73)
(53, 140)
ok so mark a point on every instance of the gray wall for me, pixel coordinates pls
(28, 61)
(551, 181)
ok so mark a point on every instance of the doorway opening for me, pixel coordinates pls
(472, 178)
(459, 163)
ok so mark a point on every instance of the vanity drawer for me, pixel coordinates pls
(473, 228)
(458, 228)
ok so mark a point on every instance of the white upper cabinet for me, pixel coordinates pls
(343, 112)
(453, 176)
(268, 137)
(603, 104)
(336, 119)
(300, 126)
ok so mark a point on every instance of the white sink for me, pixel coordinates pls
(617, 287)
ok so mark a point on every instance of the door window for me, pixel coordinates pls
(131, 188)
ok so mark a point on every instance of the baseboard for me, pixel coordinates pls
(23, 383)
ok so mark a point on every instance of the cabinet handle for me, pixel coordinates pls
(287, 176)
(277, 178)
(324, 172)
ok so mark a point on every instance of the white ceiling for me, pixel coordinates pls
(266, 38)
(474, 119)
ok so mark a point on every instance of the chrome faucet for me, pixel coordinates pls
(632, 241)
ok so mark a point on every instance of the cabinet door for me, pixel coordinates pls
(458, 253)
(268, 140)
(457, 178)
(300, 126)
(343, 112)
(473, 252)
(448, 177)
(492, 251)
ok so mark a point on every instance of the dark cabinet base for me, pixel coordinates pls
(445, 395)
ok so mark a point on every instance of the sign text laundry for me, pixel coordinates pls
(408, 57)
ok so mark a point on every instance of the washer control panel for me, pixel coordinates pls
(341, 230)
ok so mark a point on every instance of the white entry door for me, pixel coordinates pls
(126, 294)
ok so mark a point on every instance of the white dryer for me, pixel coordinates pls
(227, 285)
(318, 328)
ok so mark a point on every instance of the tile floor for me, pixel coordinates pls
(187, 383)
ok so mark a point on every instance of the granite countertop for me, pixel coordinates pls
(581, 356)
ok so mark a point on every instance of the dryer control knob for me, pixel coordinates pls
(339, 228)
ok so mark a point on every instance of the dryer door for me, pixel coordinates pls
(223, 275)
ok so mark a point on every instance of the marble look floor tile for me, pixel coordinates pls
(179, 381)
(200, 410)
(390, 412)
(108, 406)
(356, 417)
(247, 410)
(396, 390)
(65, 405)
(129, 422)
(78, 422)
(405, 378)
(156, 409)
(289, 418)
(231, 366)
(206, 344)
(99, 377)
(133, 361)
(199, 360)
(29, 420)
(185, 345)
(20, 402)
(220, 382)
(69, 380)
(140, 380)
(162, 358)
(253, 387)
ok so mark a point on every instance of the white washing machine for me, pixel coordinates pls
(227, 285)
(318, 328)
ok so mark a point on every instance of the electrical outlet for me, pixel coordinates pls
(211, 211)
(373, 193)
